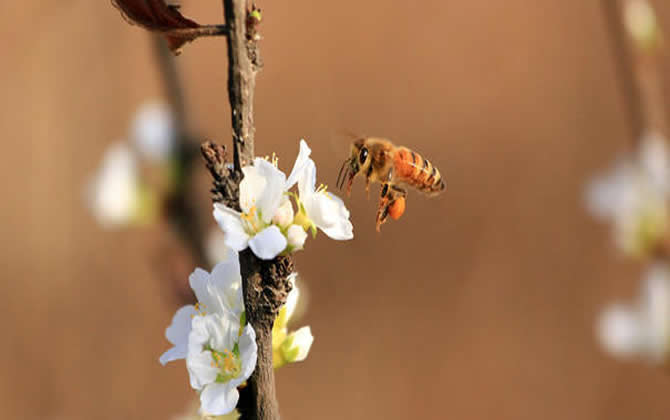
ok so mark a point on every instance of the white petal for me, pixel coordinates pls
(199, 282)
(177, 333)
(251, 188)
(217, 250)
(307, 180)
(269, 243)
(655, 312)
(655, 161)
(226, 284)
(330, 215)
(248, 352)
(154, 131)
(219, 399)
(275, 186)
(200, 369)
(229, 221)
(113, 193)
(619, 331)
(224, 332)
(303, 339)
(300, 164)
(292, 299)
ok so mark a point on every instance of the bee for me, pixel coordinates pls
(394, 167)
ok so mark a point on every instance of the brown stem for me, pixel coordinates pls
(242, 69)
(264, 283)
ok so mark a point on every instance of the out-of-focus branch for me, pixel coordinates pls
(624, 71)
(635, 41)
(181, 209)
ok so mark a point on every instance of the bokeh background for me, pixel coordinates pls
(478, 304)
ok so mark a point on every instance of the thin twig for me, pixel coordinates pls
(206, 30)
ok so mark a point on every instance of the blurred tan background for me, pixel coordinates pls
(478, 304)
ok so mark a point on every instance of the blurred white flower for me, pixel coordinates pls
(153, 131)
(640, 21)
(634, 196)
(114, 193)
(267, 213)
(641, 330)
(220, 351)
(290, 347)
(216, 248)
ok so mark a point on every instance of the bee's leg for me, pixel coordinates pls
(389, 194)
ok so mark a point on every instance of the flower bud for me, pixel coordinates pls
(296, 237)
(296, 346)
(284, 215)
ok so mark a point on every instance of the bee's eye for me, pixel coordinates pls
(363, 155)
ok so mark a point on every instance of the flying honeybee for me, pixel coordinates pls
(394, 167)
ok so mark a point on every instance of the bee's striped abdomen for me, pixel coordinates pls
(413, 169)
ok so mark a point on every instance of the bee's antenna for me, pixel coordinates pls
(339, 175)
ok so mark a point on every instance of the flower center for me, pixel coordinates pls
(228, 363)
(251, 221)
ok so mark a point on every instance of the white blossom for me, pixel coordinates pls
(153, 131)
(114, 193)
(220, 352)
(267, 214)
(634, 196)
(215, 246)
(641, 330)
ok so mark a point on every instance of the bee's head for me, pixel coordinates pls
(357, 162)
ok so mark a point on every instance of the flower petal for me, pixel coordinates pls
(199, 282)
(330, 215)
(177, 333)
(218, 399)
(229, 221)
(292, 299)
(619, 331)
(307, 180)
(275, 186)
(226, 284)
(269, 243)
(303, 339)
(248, 351)
(300, 164)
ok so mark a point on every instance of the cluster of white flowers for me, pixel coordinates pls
(214, 338)
(294, 346)
(641, 330)
(268, 223)
(634, 197)
(117, 195)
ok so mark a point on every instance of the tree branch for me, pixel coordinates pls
(181, 209)
(264, 283)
